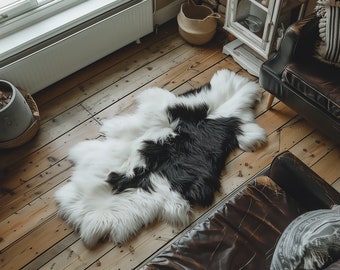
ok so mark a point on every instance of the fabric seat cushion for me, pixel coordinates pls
(242, 232)
(318, 82)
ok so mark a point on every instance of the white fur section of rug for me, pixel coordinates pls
(87, 203)
(98, 213)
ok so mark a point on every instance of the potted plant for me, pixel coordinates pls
(16, 116)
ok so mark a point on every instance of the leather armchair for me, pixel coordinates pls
(300, 80)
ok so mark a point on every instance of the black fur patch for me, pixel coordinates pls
(197, 90)
(192, 161)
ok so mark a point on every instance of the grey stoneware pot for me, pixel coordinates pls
(15, 114)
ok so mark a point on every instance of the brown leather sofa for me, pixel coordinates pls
(241, 232)
(304, 83)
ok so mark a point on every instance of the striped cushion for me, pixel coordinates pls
(328, 49)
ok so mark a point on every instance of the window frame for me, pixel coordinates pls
(44, 9)
(16, 7)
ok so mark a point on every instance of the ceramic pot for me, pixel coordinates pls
(15, 114)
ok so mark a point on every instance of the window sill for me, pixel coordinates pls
(50, 27)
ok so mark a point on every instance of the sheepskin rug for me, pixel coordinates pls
(158, 161)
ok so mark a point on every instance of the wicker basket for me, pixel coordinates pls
(196, 23)
(31, 131)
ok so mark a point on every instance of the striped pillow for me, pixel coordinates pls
(311, 241)
(328, 49)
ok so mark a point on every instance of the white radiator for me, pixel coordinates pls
(82, 47)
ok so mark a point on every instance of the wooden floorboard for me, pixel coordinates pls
(32, 236)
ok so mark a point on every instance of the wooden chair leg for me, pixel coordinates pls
(269, 101)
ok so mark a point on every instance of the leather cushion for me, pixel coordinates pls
(241, 233)
(318, 82)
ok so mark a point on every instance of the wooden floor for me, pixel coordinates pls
(32, 236)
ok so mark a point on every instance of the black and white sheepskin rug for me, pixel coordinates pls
(157, 162)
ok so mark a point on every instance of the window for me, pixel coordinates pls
(12, 8)
(16, 14)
